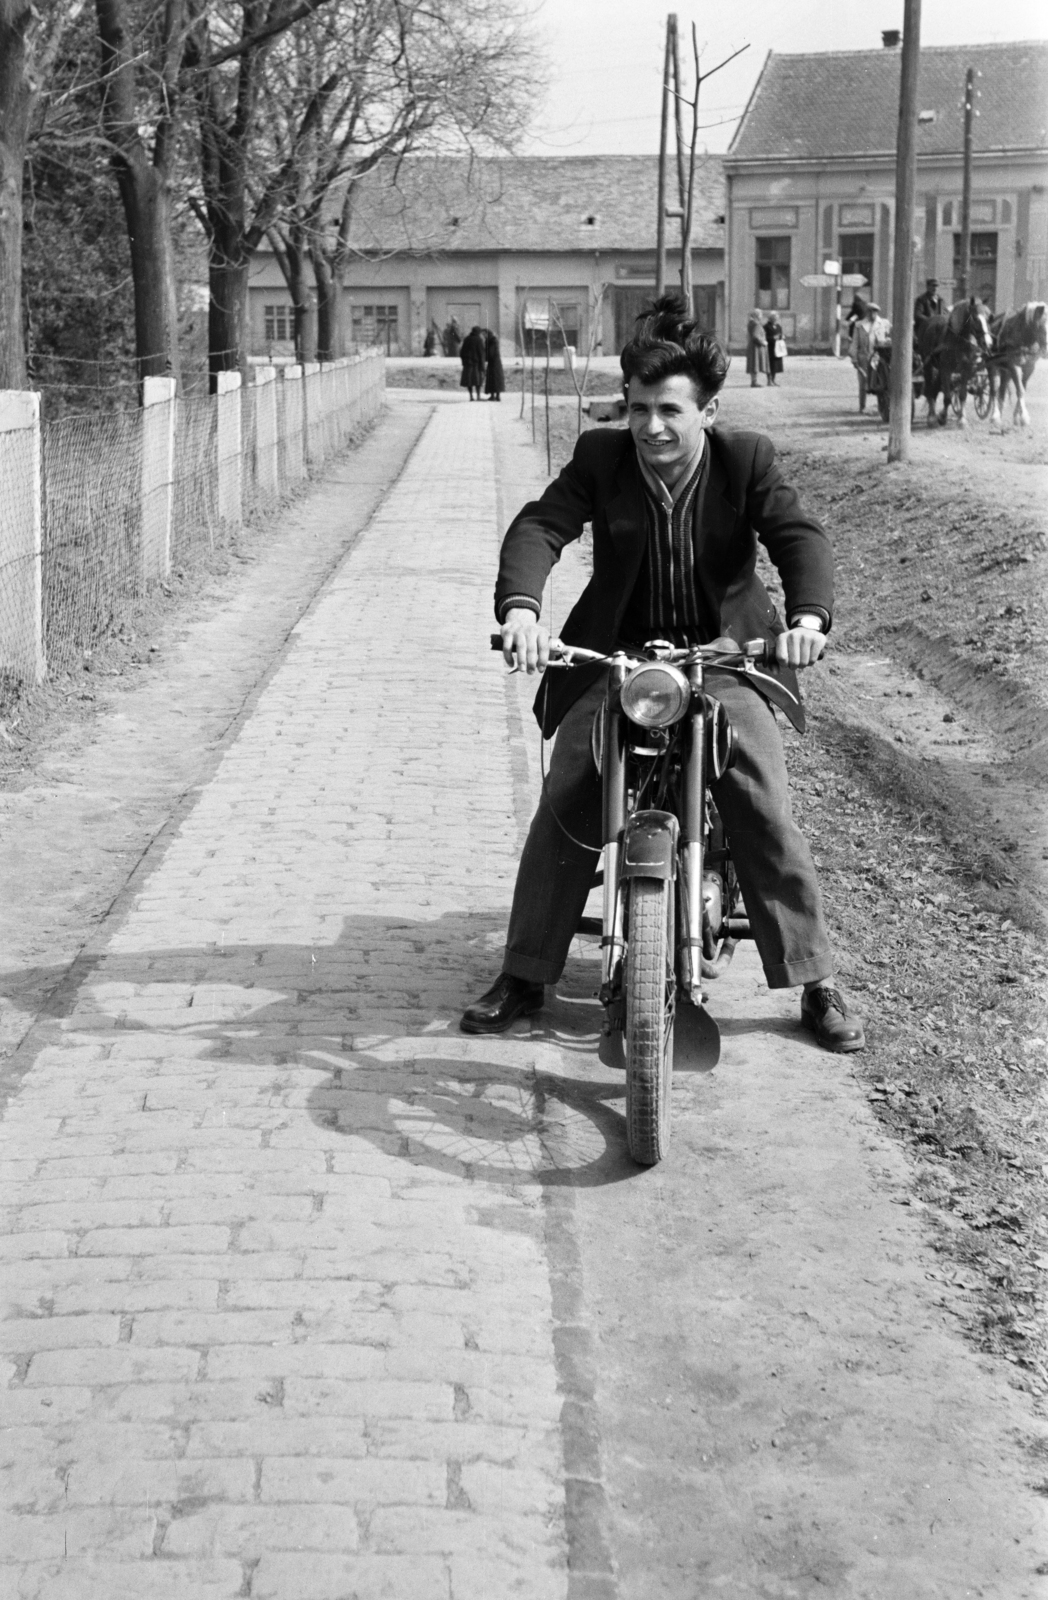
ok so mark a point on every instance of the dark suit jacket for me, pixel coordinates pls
(746, 500)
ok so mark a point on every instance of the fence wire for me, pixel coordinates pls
(96, 507)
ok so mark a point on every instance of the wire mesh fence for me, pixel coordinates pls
(96, 507)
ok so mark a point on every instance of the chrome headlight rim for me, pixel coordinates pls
(675, 691)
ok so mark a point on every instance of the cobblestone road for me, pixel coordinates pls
(273, 1325)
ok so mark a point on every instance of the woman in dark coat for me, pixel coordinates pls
(472, 356)
(756, 347)
(496, 378)
(773, 334)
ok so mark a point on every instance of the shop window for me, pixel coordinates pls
(773, 274)
(279, 324)
(982, 279)
(856, 255)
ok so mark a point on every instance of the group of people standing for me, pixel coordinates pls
(479, 354)
(481, 364)
(765, 348)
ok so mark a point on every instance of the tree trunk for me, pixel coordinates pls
(330, 329)
(294, 265)
(144, 191)
(227, 313)
(16, 99)
(147, 207)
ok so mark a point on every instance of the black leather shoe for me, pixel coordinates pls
(823, 1011)
(506, 1000)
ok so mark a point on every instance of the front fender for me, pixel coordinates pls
(649, 847)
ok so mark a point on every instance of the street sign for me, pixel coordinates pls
(818, 280)
(853, 280)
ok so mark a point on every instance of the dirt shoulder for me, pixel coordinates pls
(92, 766)
(920, 786)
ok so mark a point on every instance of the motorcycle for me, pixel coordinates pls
(672, 908)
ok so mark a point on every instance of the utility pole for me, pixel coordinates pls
(965, 272)
(689, 199)
(900, 389)
(660, 226)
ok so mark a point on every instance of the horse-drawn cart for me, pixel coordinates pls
(878, 383)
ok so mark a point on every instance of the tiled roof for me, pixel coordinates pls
(846, 103)
(538, 203)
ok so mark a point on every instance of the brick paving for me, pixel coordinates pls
(280, 1322)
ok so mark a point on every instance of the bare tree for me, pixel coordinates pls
(226, 52)
(360, 86)
(141, 72)
(596, 334)
(30, 38)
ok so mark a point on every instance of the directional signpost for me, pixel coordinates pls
(831, 277)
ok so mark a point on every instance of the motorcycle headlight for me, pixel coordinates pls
(656, 695)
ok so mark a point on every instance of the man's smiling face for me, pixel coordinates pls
(667, 422)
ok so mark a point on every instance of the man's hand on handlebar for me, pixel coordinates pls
(799, 647)
(525, 642)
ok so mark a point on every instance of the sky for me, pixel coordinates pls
(604, 57)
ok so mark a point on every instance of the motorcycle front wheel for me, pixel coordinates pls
(650, 996)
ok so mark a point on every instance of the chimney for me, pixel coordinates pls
(890, 38)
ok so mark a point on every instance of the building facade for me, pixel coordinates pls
(534, 248)
(810, 175)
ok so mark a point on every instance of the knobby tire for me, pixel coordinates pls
(649, 1019)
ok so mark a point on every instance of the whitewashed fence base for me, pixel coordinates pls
(298, 423)
(21, 548)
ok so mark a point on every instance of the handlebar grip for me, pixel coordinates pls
(757, 650)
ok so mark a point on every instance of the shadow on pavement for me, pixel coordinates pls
(375, 1016)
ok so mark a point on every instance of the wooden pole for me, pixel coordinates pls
(660, 226)
(961, 288)
(549, 338)
(689, 203)
(901, 377)
(678, 119)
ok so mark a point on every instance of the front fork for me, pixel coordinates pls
(693, 827)
(613, 825)
(693, 832)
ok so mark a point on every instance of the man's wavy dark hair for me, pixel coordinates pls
(668, 340)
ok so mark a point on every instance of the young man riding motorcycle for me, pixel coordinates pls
(677, 506)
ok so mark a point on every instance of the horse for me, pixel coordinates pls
(949, 348)
(1020, 338)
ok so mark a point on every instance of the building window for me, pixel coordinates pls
(376, 324)
(856, 252)
(552, 322)
(982, 279)
(280, 324)
(773, 274)
(947, 214)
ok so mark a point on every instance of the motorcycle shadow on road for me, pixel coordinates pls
(361, 1035)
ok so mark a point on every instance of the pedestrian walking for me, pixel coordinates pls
(472, 357)
(756, 348)
(495, 378)
(429, 343)
(776, 347)
(452, 337)
(871, 329)
(673, 558)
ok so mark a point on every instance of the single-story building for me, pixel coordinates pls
(810, 175)
(519, 245)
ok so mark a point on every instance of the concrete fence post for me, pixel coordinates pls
(229, 448)
(311, 413)
(158, 473)
(293, 423)
(266, 470)
(21, 538)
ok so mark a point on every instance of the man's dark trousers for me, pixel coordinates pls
(771, 856)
